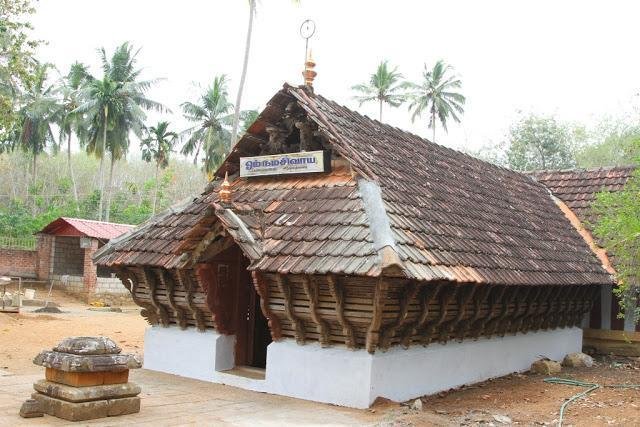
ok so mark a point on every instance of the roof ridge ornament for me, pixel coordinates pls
(225, 190)
(307, 30)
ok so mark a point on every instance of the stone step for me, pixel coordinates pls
(86, 394)
(83, 411)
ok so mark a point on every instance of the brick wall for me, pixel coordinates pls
(16, 262)
(43, 256)
(68, 256)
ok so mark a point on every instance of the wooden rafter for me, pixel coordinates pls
(379, 297)
(427, 296)
(522, 304)
(285, 289)
(263, 292)
(495, 298)
(409, 293)
(170, 285)
(185, 280)
(481, 296)
(311, 290)
(337, 291)
(152, 283)
(130, 281)
(446, 297)
(464, 296)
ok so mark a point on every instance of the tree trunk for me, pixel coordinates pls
(433, 122)
(73, 179)
(155, 193)
(108, 208)
(247, 47)
(101, 173)
(380, 115)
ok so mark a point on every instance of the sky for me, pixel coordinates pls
(576, 60)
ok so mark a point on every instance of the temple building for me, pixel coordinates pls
(339, 259)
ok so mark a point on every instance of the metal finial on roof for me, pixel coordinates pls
(307, 30)
(225, 190)
(309, 74)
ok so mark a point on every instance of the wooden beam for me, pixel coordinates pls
(337, 291)
(446, 296)
(263, 292)
(130, 281)
(499, 320)
(409, 293)
(520, 311)
(427, 295)
(311, 290)
(184, 278)
(152, 283)
(379, 298)
(170, 285)
(285, 288)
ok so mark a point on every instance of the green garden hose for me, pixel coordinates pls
(590, 387)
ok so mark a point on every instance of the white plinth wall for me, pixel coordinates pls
(355, 378)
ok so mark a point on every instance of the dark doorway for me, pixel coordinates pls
(252, 331)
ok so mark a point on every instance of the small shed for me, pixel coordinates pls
(65, 248)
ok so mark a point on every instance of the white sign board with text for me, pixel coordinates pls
(287, 163)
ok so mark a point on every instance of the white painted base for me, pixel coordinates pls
(355, 378)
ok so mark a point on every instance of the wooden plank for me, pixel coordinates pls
(170, 285)
(187, 283)
(263, 292)
(152, 282)
(410, 291)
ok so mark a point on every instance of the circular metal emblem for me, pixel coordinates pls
(307, 29)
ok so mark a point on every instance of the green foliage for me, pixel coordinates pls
(385, 86)
(539, 143)
(17, 60)
(618, 230)
(437, 95)
(616, 145)
(158, 144)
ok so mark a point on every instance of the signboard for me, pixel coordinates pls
(287, 163)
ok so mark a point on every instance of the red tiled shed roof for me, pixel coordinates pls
(86, 227)
(444, 215)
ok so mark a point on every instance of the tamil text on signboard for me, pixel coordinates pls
(287, 163)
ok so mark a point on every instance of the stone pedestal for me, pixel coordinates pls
(86, 378)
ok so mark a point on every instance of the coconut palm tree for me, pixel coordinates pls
(385, 86)
(437, 95)
(243, 76)
(70, 121)
(157, 146)
(40, 107)
(247, 48)
(116, 105)
(213, 115)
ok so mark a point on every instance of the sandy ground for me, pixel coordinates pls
(524, 398)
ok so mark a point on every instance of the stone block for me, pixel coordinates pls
(31, 408)
(86, 363)
(577, 360)
(86, 379)
(545, 367)
(83, 411)
(86, 394)
(87, 346)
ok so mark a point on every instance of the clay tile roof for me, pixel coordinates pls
(392, 201)
(578, 187)
(86, 227)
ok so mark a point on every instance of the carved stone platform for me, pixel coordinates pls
(86, 378)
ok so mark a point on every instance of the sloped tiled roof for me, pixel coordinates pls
(578, 187)
(449, 216)
(86, 227)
